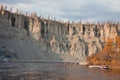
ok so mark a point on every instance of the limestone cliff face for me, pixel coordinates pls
(77, 40)
(69, 39)
(35, 28)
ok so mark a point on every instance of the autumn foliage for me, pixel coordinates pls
(110, 55)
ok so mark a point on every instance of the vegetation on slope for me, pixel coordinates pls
(110, 55)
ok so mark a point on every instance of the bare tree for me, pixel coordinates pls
(10, 9)
(5, 8)
(1, 7)
(17, 11)
(26, 14)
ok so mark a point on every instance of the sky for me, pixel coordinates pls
(73, 10)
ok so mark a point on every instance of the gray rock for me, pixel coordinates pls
(70, 41)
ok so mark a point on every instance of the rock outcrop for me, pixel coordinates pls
(70, 41)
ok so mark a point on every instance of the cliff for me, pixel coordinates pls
(35, 38)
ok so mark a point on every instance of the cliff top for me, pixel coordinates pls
(5, 11)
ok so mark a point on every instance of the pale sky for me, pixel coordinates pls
(86, 10)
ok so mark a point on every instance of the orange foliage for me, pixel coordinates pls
(110, 55)
(109, 46)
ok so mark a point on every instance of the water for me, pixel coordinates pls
(52, 71)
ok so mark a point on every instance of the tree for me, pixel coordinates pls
(1, 7)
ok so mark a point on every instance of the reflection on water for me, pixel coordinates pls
(51, 71)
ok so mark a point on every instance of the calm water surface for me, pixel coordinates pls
(52, 71)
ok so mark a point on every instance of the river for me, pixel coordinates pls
(52, 71)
